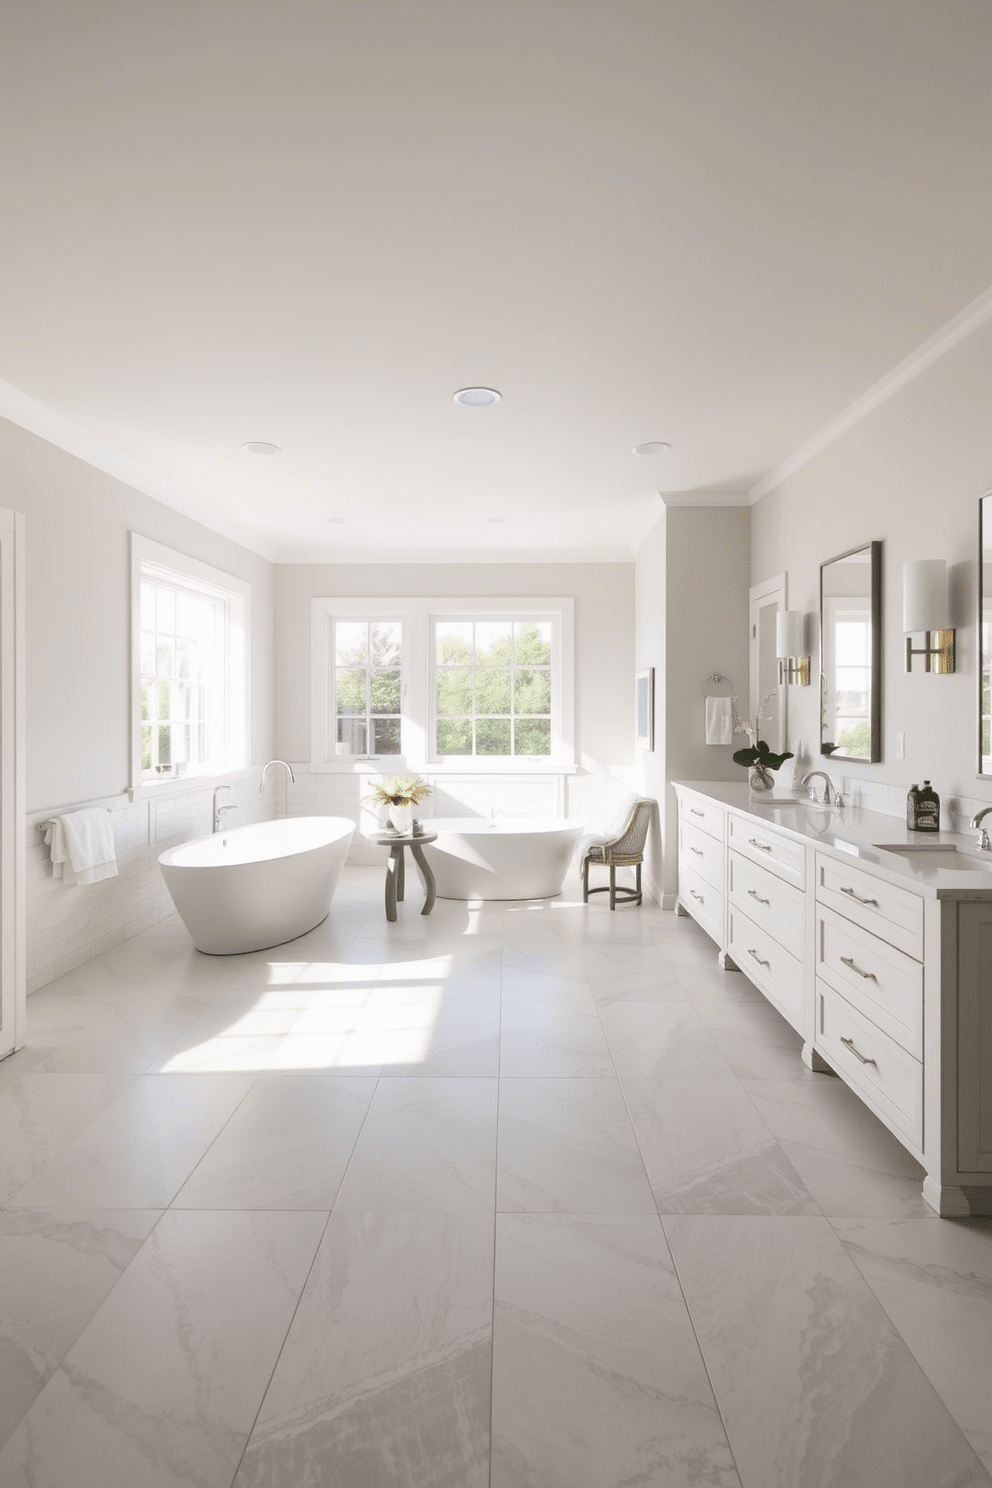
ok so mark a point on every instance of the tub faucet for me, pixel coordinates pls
(219, 810)
(292, 777)
(828, 788)
(983, 843)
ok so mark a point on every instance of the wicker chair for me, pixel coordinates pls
(625, 849)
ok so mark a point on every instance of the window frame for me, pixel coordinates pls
(418, 724)
(235, 595)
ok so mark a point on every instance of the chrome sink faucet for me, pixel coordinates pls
(829, 790)
(261, 788)
(219, 810)
(983, 844)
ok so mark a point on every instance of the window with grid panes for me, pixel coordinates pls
(366, 687)
(190, 667)
(493, 689)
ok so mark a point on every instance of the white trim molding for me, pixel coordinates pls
(970, 319)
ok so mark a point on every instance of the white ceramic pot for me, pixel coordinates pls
(401, 817)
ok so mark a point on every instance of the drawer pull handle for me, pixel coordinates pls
(849, 1044)
(757, 958)
(697, 850)
(869, 976)
(697, 896)
(755, 843)
(858, 897)
(694, 812)
(755, 895)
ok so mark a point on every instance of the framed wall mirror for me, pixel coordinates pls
(851, 654)
(766, 686)
(985, 634)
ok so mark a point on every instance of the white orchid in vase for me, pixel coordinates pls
(759, 759)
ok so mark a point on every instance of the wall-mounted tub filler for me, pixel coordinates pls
(261, 788)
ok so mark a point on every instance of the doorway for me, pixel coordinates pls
(12, 786)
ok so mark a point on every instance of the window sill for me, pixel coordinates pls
(183, 785)
(447, 767)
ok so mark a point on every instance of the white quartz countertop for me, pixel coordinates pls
(851, 834)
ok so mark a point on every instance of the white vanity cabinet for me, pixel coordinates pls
(884, 969)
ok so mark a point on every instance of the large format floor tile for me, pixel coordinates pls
(385, 1376)
(815, 1385)
(597, 1375)
(381, 1207)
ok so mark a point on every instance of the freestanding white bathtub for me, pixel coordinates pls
(253, 887)
(520, 858)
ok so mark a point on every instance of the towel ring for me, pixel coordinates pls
(715, 680)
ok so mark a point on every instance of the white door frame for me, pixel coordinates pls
(774, 594)
(13, 959)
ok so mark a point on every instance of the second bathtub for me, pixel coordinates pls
(518, 858)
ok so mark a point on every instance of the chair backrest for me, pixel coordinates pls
(635, 832)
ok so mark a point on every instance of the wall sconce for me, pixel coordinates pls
(793, 666)
(924, 607)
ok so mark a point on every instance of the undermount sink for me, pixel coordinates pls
(934, 855)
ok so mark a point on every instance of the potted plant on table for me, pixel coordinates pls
(761, 760)
(400, 793)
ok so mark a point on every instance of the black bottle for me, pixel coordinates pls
(927, 810)
(912, 799)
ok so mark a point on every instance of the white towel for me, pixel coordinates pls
(82, 846)
(719, 720)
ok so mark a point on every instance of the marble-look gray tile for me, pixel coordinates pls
(849, 1161)
(597, 1375)
(707, 1151)
(815, 1385)
(661, 1039)
(934, 1279)
(41, 1114)
(56, 1268)
(138, 1153)
(164, 1383)
(286, 1146)
(132, 1036)
(567, 1147)
(553, 1038)
(427, 1144)
(750, 1019)
(385, 1375)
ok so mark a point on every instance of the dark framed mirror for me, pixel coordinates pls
(851, 654)
(985, 634)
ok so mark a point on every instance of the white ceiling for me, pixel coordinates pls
(713, 222)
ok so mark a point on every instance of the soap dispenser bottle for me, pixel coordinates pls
(912, 799)
(927, 809)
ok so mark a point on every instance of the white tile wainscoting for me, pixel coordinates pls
(68, 924)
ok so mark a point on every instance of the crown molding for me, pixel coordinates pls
(969, 320)
(37, 418)
(704, 498)
(454, 555)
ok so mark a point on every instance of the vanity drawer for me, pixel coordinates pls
(893, 913)
(707, 816)
(703, 901)
(888, 1079)
(777, 906)
(701, 854)
(773, 970)
(882, 982)
(783, 855)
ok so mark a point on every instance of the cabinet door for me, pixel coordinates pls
(975, 1038)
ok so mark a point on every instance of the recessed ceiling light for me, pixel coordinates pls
(653, 447)
(476, 397)
(260, 447)
(337, 519)
(495, 521)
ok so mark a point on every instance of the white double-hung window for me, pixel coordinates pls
(190, 626)
(456, 684)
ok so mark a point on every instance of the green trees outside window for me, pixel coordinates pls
(493, 687)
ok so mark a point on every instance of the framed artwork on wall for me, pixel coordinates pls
(645, 709)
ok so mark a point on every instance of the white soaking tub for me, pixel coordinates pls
(253, 887)
(518, 858)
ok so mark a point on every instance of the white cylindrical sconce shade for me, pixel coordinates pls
(924, 595)
(789, 634)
